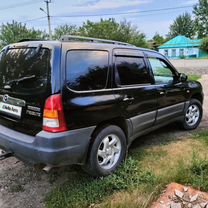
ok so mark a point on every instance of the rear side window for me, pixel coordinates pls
(132, 70)
(86, 70)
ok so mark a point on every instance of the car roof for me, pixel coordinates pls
(83, 45)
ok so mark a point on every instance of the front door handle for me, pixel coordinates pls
(128, 99)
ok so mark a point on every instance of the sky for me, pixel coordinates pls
(75, 12)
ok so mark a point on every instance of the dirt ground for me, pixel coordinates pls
(23, 186)
(197, 67)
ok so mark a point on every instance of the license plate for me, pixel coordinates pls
(9, 109)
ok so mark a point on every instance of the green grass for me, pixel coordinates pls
(193, 77)
(84, 190)
(141, 178)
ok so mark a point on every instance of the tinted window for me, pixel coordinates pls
(24, 68)
(87, 70)
(132, 70)
(162, 73)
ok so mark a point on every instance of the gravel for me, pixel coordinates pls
(196, 67)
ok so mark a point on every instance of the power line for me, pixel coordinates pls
(121, 13)
(31, 20)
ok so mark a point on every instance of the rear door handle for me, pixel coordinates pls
(162, 93)
(128, 99)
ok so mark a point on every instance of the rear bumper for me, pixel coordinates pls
(53, 149)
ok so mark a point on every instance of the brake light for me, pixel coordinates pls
(53, 115)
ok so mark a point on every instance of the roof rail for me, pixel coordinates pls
(68, 38)
(28, 39)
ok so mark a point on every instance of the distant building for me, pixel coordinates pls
(182, 47)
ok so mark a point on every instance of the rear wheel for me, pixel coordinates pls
(107, 152)
(192, 115)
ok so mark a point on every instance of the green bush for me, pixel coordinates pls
(204, 45)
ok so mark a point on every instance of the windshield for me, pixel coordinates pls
(24, 69)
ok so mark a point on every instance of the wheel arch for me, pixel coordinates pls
(198, 96)
(123, 123)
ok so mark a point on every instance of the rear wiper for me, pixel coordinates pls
(10, 83)
(24, 78)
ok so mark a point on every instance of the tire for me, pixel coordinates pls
(107, 151)
(192, 115)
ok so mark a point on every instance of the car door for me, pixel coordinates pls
(134, 91)
(171, 93)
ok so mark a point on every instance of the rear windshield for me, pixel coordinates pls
(24, 69)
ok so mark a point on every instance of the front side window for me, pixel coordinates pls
(162, 72)
(86, 70)
(132, 71)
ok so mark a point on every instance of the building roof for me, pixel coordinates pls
(181, 42)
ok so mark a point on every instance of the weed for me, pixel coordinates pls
(193, 77)
(85, 190)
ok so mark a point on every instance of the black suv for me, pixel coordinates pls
(84, 100)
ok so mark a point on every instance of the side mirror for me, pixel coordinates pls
(183, 77)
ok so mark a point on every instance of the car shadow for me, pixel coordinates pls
(164, 135)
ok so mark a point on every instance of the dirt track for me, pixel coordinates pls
(22, 186)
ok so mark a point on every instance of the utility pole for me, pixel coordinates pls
(48, 17)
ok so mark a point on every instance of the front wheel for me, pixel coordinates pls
(192, 115)
(107, 152)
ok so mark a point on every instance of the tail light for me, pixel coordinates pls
(53, 116)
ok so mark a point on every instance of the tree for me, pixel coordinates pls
(159, 39)
(110, 29)
(182, 25)
(201, 18)
(65, 30)
(204, 45)
(156, 41)
(15, 31)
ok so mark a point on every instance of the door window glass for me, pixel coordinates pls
(162, 72)
(132, 70)
(87, 70)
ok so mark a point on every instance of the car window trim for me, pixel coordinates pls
(113, 88)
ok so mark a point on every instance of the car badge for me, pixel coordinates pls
(5, 98)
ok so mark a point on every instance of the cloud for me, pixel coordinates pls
(190, 2)
(86, 2)
(89, 6)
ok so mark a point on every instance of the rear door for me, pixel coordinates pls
(134, 91)
(87, 95)
(25, 74)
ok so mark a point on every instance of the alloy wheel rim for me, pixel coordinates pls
(192, 115)
(109, 151)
